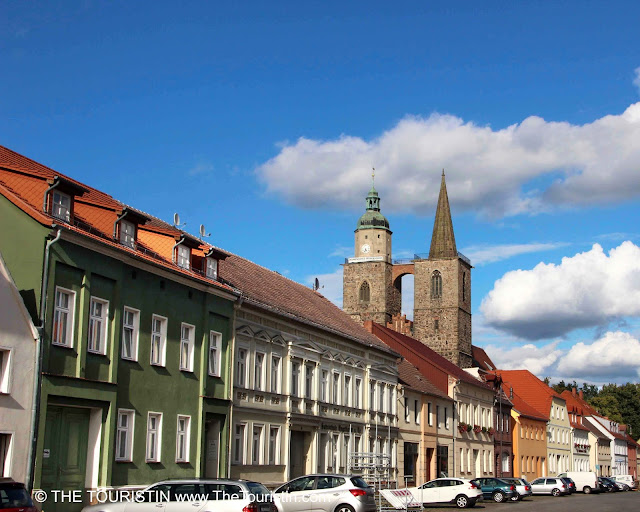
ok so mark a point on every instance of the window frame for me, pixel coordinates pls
(257, 457)
(274, 450)
(158, 437)
(275, 374)
(346, 390)
(259, 372)
(162, 334)
(5, 370)
(243, 361)
(103, 320)
(125, 235)
(215, 354)
(211, 274)
(70, 321)
(190, 343)
(239, 441)
(135, 335)
(183, 257)
(186, 436)
(55, 204)
(129, 435)
(309, 371)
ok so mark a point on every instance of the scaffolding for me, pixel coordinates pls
(376, 470)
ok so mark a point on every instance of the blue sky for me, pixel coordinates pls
(262, 121)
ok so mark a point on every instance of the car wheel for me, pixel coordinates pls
(344, 508)
(516, 497)
(462, 501)
(625, 487)
(586, 489)
(498, 497)
(556, 492)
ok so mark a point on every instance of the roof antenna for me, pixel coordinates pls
(203, 232)
(176, 221)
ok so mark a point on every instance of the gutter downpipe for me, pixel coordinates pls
(38, 363)
(56, 182)
(237, 304)
(173, 251)
(115, 224)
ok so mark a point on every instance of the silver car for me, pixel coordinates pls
(523, 488)
(325, 493)
(549, 485)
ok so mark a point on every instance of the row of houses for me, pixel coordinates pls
(132, 351)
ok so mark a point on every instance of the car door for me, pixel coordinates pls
(447, 490)
(428, 493)
(480, 483)
(329, 489)
(295, 496)
(184, 497)
(153, 499)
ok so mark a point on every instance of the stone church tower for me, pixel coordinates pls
(368, 292)
(442, 282)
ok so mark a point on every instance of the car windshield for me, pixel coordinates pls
(359, 482)
(14, 496)
(257, 489)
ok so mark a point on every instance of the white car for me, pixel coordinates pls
(193, 495)
(447, 490)
(325, 493)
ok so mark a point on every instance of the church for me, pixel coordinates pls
(372, 283)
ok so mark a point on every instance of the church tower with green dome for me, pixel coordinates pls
(368, 291)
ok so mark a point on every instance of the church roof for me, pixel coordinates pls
(443, 241)
(372, 218)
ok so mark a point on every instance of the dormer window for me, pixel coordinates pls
(184, 257)
(61, 205)
(212, 268)
(127, 233)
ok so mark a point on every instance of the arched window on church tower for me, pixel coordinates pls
(365, 292)
(436, 285)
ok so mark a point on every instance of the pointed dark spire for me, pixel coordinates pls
(443, 241)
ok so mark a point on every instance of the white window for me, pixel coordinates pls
(212, 268)
(274, 445)
(124, 435)
(61, 207)
(182, 438)
(346, 397)
(63, 318)
(372, 395)
(6, 456)
(446, 418)
(158, 340)
(258, 372)
(154, 435)
(215, 353)
(130, 333)
(5, 359)
(336, 388)
(430, 413)
(391, 393)
(407, 410)
(239, 441)
(184, 257)
(381, 397)
(241, 367)
(187, 338)
(324, 385)
(98, 321)
(257, 444)
(357, 400)
(275, 373)
(127, 233)
(308, 380)
(295, 378)
(417, 411)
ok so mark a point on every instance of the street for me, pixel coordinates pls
(606, 502)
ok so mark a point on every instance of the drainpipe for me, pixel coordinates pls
(38, 363)
(56, 182)
(115, 224)
(173, 251)
(232, 349)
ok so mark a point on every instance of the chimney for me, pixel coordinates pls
(573, 392)
(511, 393)
(581, 395)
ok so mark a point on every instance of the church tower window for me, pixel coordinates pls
(436, 285)
(365, 292)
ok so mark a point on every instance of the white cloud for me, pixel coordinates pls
(525, 357)
(330, 285)
(490, 171)
(586, 290)
(342, 252)
(200, 168)
(483, 254)
(636, 80)
(617, 354)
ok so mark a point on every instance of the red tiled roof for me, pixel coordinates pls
(271, 290)
(431, 364)
(481, 359)
(412, 378)
(532, 390)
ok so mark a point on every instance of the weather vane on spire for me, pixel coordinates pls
(373, 176)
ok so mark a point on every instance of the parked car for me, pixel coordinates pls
(607, 485)
(627, 480)
(549, 485)
(495, 489)
(523, 488)
(463, 493)
(586, 481)
(216, 495)
(14, 497)
(326, 493)
(571, 485)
